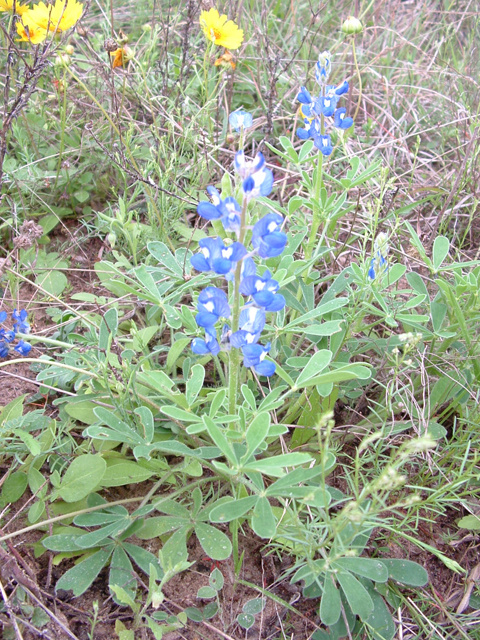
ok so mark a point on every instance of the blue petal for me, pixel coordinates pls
(267, 184)
(265, 368)
(206, 319)
(303, 134)
(208, 211)
(199, 346)
(3, 316)
(277, 303)
(199, 263)
(304, 96)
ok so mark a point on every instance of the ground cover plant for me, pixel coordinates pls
(239, 325)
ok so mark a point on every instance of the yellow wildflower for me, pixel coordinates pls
(29, 31)
(218, 29)
(59, 17)
(7, 5)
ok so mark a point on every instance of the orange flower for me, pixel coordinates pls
(225, 60)
(121, 57)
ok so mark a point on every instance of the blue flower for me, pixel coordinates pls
(20, 325)
(215, 256)
(325, 105)
(257, 179)
(304, 97)
(263, 291)
(209, 345)
(4, 349)
(9, 336)
(240, 120)
(251, 323)
(323, 143)
(267, 238)
(23, 348)
(340, 121)
(227, 210)
(342, 88)
(253, 356)
(212, 305)
(3, 316)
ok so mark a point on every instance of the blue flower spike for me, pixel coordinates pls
(379, 261)
(321, 111)
(20, 325)
(223, 258)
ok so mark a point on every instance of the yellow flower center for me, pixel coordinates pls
(216, 34)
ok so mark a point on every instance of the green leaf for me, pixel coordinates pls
(121, 574)
(80, 577)
(274, 465)
(206, 593)
(220, 440)
(470, 522)
(175, 350)
(256, 434)
(14, 487)
(246, 620)
(330, 604)
(214, 542)
(380, 621)
(61, 543)
(441, 247)
(143, 559)
(263, 521)
(163, 255)
(210, 610)
(316, 364)
(357, 596)
(216, 580)
(82, 477)
(94, 538)
(12, 410)
(228, 511)
(254, 606)
(366, 567)
(147, 424)
(180, 414)
(125, 472)
(194, 383)
(324, 329)
(82, 411)
(53, 282)
(406, 572)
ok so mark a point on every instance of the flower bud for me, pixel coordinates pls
(146, 27)
(69, 49)
(351, 26)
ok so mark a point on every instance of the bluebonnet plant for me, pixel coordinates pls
(379, 262)
(236, 264)
(20, 325)
(315, 109)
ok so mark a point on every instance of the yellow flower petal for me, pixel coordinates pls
(220, 30)
(7, 5)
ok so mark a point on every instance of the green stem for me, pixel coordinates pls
(234, 356)
(359, 76)
(316, 206)
(62, 124)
